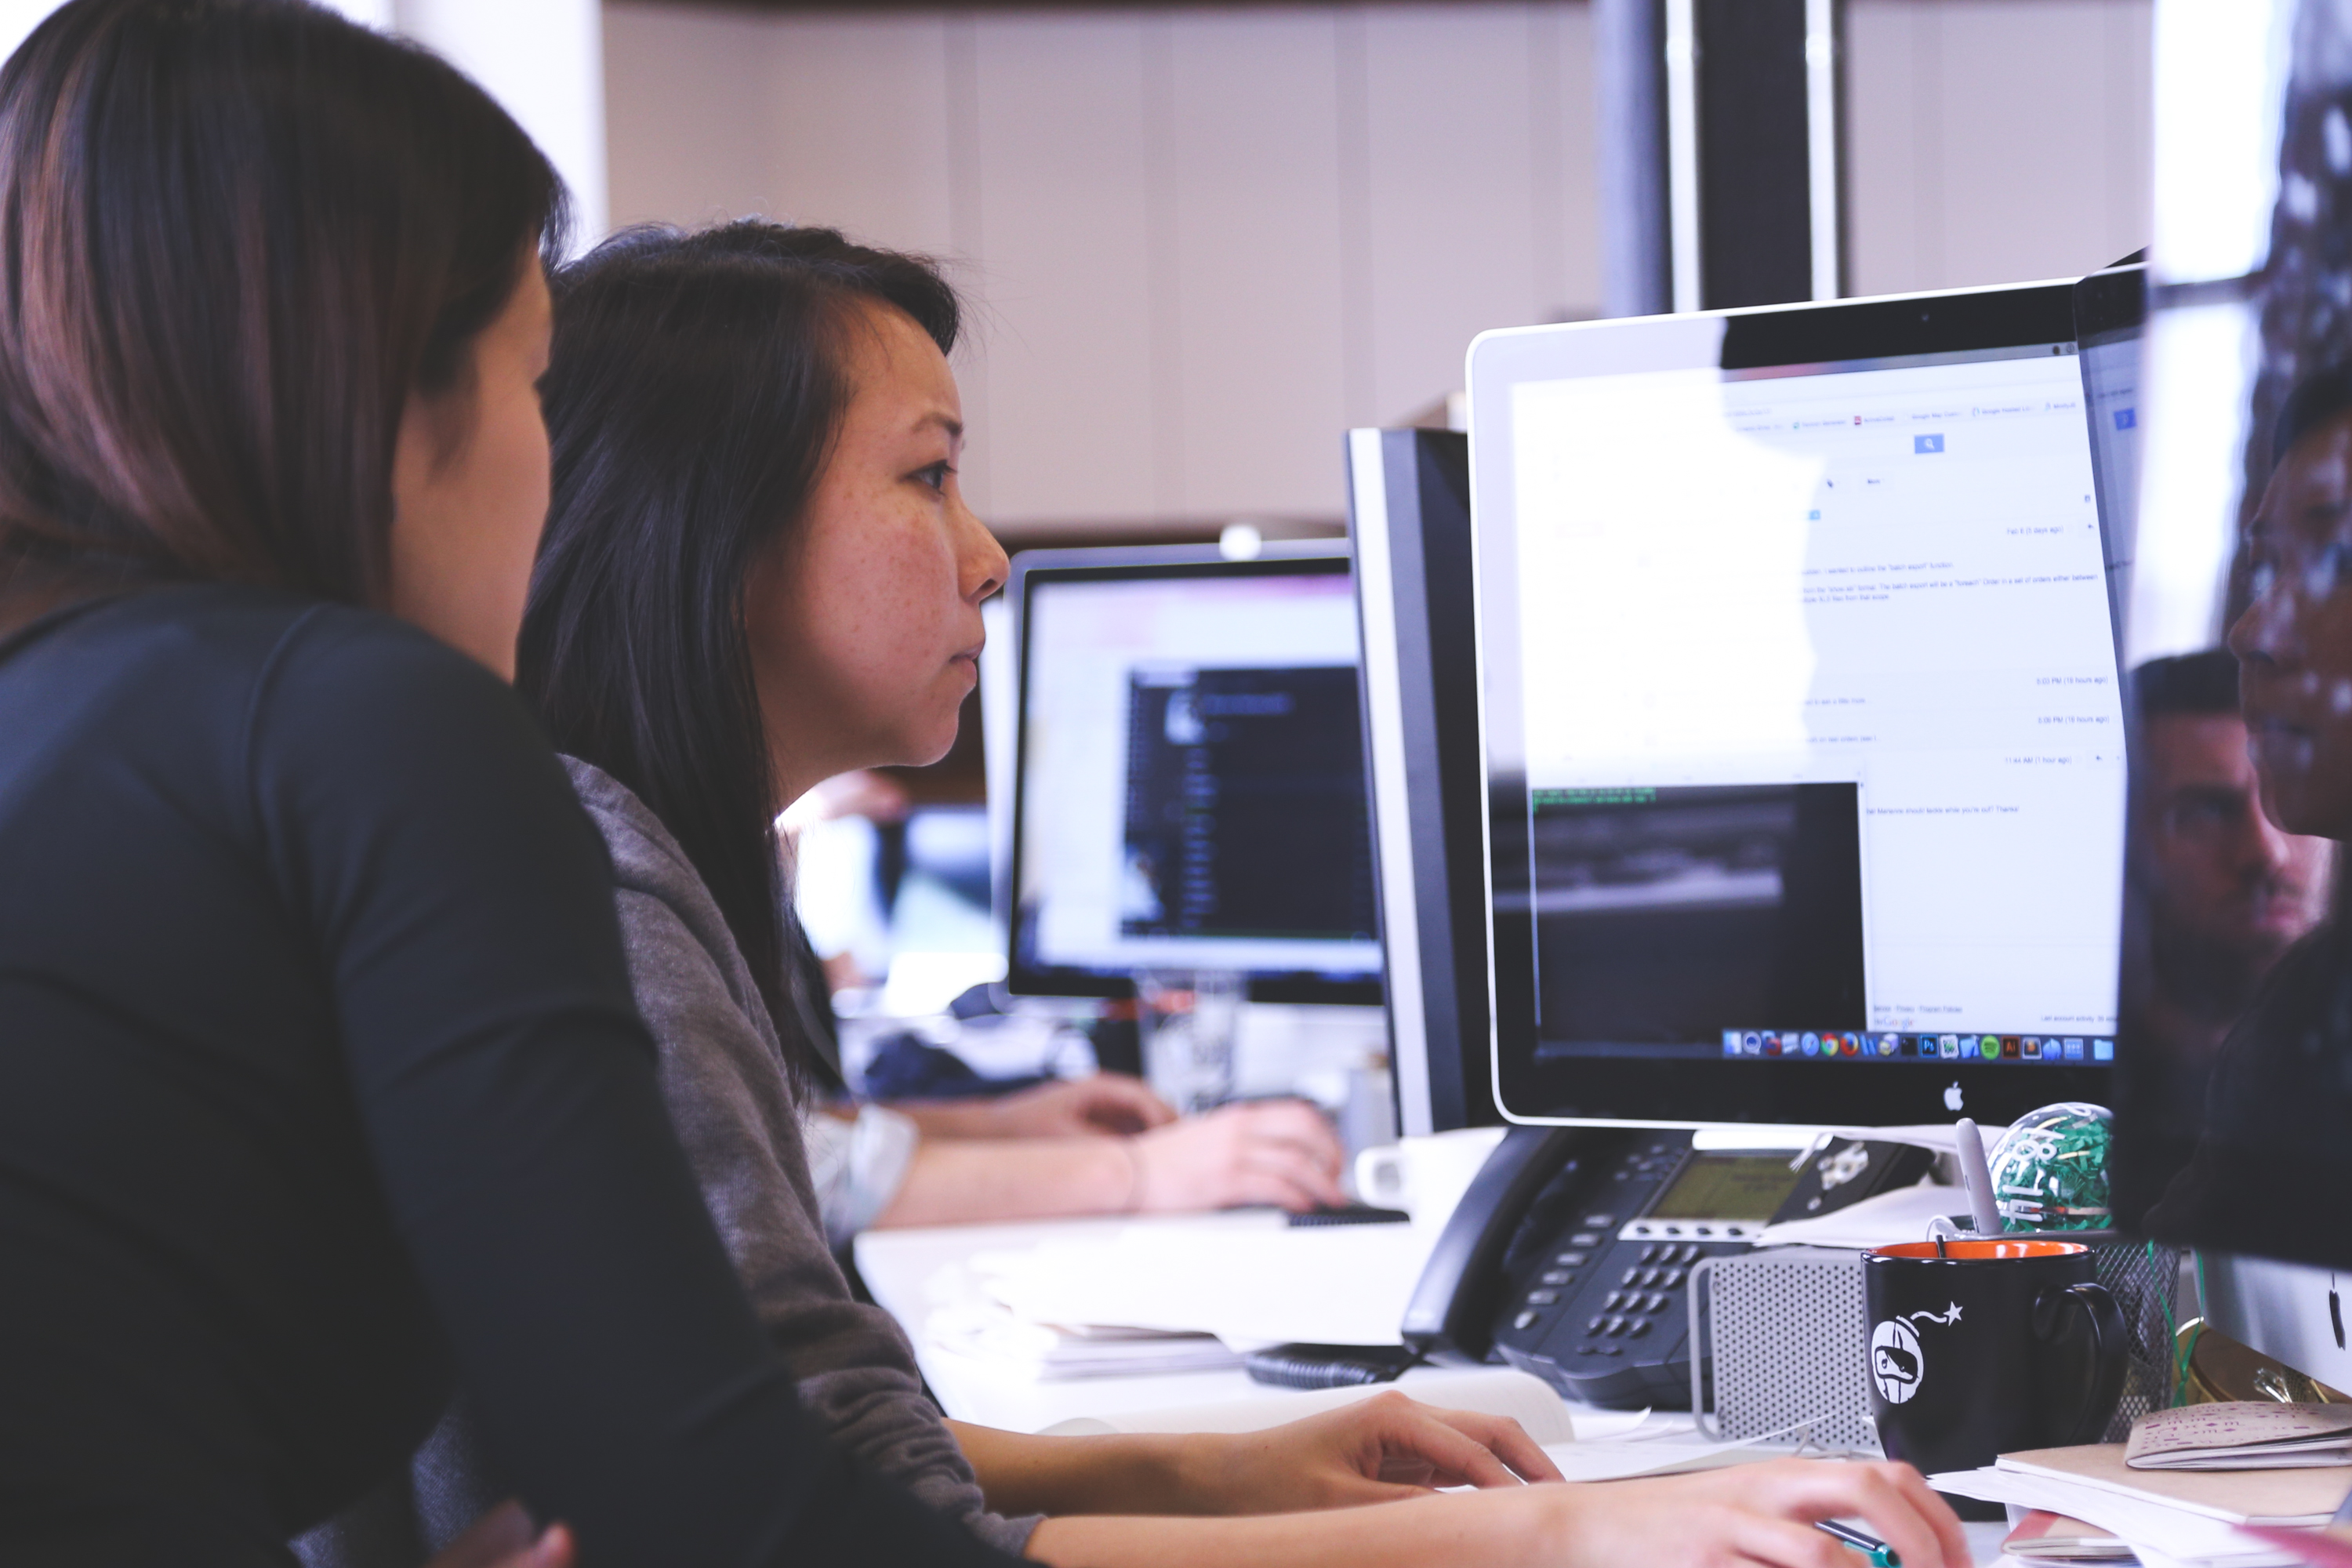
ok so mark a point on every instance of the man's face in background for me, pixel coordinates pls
(2229, 891)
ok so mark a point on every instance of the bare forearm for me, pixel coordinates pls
(1494, 1529)
(952, 1182)
(977, 1118)
(1123, 1474)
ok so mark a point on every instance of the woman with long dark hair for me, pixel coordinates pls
(759, 571)
(320, 1082)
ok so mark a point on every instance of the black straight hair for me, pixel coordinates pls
(693, 394)
(236, 237)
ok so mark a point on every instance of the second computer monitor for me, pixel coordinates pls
(1189, 790)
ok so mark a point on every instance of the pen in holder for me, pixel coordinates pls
(1983, 1206)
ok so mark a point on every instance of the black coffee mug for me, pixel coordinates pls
(1983, 1348)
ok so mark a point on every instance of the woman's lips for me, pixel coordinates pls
(2275, 745)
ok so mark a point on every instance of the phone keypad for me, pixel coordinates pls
(1599, 1311)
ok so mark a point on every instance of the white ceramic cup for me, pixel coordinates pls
(1424, 1176)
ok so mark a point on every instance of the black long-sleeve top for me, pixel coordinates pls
(322, 1086)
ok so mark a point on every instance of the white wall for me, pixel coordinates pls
(1204, 242)
(1995, 141)
(542, 59)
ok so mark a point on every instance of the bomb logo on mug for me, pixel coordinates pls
(1898, 1362)
(1895, 1363)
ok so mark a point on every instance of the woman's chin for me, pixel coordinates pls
(921, 752)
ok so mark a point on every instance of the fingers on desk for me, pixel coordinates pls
(1427, 1446)
(1506, 1440)
(1898, 1505)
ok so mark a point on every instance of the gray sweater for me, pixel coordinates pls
(738, 1112)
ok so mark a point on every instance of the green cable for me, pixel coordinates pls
(2182, 1352)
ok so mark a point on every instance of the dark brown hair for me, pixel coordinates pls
(234, 236)
(694, 389)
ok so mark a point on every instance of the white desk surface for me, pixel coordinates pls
(898, 1266)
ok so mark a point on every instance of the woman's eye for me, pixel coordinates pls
(936, 474)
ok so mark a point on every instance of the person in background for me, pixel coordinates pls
(1104, 1143)
(2226, 892)
(759, 574)
(1101, 1144)
(321, 1083)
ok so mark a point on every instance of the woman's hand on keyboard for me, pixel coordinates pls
(1760, 1515)
(1376, 1450)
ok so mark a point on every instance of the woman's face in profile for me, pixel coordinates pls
(865, 622)
(2294, 642)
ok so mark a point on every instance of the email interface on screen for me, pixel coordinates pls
(1823, 739)
(1193, 777)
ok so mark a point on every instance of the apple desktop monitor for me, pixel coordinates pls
(1801, 721)
(1188, 775)
(1409, 516)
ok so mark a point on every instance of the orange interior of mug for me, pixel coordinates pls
(1980, 1249)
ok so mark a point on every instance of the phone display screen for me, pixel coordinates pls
(1727, 1186)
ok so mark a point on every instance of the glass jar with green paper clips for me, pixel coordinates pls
(2050, 1169)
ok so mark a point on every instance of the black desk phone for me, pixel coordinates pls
(1569, 1255)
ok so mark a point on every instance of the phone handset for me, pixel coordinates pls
(1451, 1317)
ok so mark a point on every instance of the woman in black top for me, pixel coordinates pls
(320, 1080)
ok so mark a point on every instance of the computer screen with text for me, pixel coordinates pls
(1191, 786)
(1819, 718)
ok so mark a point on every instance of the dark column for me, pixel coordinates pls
(1630, 97)
(1755, 192)
(1755, 105)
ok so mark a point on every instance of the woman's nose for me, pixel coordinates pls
(983, 563)
(2263, 633)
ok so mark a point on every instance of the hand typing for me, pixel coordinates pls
(1376, 1450)
(1268, 1151)
(1753, 1515)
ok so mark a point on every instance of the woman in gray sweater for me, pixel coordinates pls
(758, 572)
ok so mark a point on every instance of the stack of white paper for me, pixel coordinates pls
(1248, 1285)
(976, 1327)
(2160, 1534)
